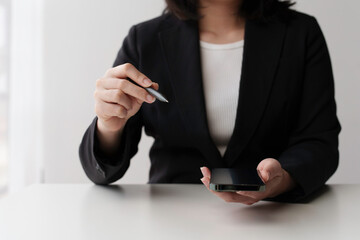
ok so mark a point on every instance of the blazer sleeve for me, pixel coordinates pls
(312, 154)
(99, 167)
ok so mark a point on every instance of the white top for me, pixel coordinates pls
(171, 211)
(221, 70)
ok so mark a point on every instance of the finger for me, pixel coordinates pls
(128, 88)
(268, 169)
(115, 83)
(205, 172)
(107, 110)
(127, 70)
(254, 195)
(137, 92)
(110, 83)
(114, 96)
(206, 182)
(155, 86)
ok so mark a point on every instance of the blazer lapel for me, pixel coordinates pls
(180, 44)
(262, 50)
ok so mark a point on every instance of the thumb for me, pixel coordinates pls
(264, 175)
(268, 169)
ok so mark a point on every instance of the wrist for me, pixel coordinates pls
(101, 127)
(288, 182)
(109, 139)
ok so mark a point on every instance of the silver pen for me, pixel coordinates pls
(156, 94)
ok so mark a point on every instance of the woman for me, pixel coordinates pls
(249, 84)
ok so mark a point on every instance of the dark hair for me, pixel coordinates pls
(251, 9)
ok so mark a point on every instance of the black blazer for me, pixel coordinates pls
(286, 107)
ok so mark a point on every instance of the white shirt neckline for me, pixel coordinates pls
(226, 46)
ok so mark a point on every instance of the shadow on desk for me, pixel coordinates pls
(154, 191)
(192, 201)
(325, 191)
(269, 212)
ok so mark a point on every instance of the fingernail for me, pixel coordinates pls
(202, 171)
(150, 98)
(147, 82)
(267, 177)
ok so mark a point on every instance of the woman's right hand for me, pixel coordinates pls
(117, 99)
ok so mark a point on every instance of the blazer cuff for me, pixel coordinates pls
(300, 175)
(110, 167)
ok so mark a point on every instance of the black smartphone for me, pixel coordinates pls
(233, 179)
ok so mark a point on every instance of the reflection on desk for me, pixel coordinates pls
(172, 211)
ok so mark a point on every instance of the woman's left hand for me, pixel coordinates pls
(276, 180)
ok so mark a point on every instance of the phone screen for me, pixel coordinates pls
(233, 179)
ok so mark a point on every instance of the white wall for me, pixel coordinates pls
(81, 40)
(25, 94)
(82, 37)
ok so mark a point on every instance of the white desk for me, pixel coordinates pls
(172, 212)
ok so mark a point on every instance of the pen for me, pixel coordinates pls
(156, 94)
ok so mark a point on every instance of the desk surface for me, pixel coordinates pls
(172, 212)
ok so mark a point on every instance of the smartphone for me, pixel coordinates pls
(233, 179)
